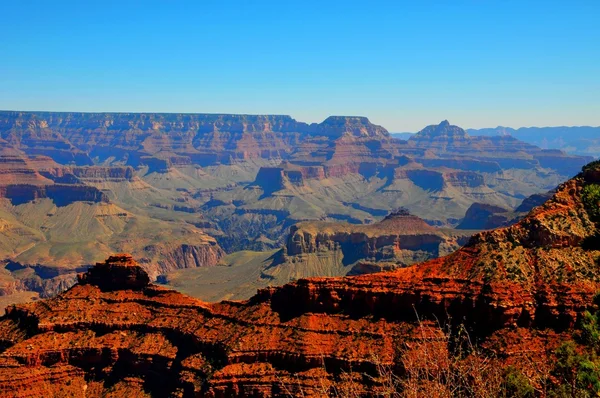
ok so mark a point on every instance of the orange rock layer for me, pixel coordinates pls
(516, 289)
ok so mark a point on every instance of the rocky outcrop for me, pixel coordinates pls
(448, 141)
(444, 130)
(100, 174)
(315, 336)
(329, 170)
(533, 201)
(191, 138)
(356, 126)
(433, 180)
(61, 194)
(173, 257)
(400, 237)
(484, 216)
(118, 272)
(160, 141)
(24, 178)
(155, 260)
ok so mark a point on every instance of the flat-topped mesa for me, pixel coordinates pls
(358, 126)
(118, 272)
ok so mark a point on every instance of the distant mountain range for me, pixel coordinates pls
(578, 140)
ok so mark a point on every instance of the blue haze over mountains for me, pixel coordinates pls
(578, 140)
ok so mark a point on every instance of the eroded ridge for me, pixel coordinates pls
(519, 291)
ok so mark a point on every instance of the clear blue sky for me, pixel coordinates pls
(403, 64)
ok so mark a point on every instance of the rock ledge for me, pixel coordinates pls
(118, 272)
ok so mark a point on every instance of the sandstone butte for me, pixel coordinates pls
(519, 290)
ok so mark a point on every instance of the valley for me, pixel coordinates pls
(182, 191)
(522, 294)
(262, 199)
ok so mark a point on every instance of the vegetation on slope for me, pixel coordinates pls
(591, 200)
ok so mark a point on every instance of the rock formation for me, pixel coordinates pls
(518, 290)
(580, 140)
(400, 238)
(344, 168)
(57, 219)
(118, 272)
(178, 190)
(483, 216)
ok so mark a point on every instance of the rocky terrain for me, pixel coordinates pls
(400, 238)
(437, 174)
(481, 216)
(181, 190)
(319, 248)
(518, 291)
(54, 222)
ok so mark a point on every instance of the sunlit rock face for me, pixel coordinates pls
(114, 332)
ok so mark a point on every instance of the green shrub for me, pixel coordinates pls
(578, 373)
(588, 378)
(591, 201)
(516, 384)
(590, 335)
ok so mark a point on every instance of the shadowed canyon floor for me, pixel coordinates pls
(519, 291)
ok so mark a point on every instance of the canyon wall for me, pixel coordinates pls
(517, 291)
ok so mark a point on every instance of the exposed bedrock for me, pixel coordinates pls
(392, 239)
(484, 216)
(158, 259)
(61, 194)
(519, 291)
(432, 180)
(172, 257)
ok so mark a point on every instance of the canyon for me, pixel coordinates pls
(181, 191)
(519, 292)
(320, 248)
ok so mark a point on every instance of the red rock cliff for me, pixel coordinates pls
(517, 287)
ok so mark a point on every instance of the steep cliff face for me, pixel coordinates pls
(484, 216)
(115, 332)
(156, 260)
(163, 258)
(18, 169)
(433, 180)
(24, 179)
(96, 173)
(197, 138)
(356, 126)
(400, 238)
(208, 139)
(56, 219)
(44, 242)
(61, 194)
(444, 130)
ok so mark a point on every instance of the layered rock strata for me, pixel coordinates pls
(400, 237)
(115, 333)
